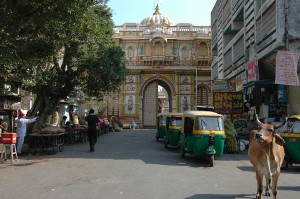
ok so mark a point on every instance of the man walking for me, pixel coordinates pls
(92, 121)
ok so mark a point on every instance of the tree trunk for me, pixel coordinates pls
(43, 107)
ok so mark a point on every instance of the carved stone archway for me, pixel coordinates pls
(149, 102)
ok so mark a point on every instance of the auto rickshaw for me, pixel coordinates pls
(161, 126)
(291, 136)
(202, 134)
(173, 124)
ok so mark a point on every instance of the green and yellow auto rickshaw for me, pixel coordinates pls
(173, 124)
(202, 134)
(161, 126)
(291, 136)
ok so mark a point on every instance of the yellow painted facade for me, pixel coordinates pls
(159, 53)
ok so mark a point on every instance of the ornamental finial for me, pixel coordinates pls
(156, 10)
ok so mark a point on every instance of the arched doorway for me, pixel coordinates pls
(153, 103)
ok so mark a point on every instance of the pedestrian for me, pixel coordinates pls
(76, 120)
(132, 124)
(55, 117)
(1, 127)
(21, 130)
(92, 121)
(63, 122)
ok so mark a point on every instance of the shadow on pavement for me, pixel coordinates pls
(139, 144)
(220, 196)
(289, 188)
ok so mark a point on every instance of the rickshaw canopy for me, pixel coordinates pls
(297, 117)
(201, 113)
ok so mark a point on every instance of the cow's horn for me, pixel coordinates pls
(257, 120)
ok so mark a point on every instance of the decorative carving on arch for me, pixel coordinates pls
(205, 86)
(157, 78)
(158, 39)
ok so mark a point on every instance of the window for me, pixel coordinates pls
(203, 49)
(163, 120)
(130, 52)
(176, 121)
(184, 52)
(188, 126)
(209, 123)
(202, 96)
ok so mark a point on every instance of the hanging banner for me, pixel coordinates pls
(240, 80)
(286, 68)
(252, 71)
(231, 85)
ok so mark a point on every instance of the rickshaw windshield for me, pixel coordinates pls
(163, 119)
(176, 121)
(209, 123)
(295, 127)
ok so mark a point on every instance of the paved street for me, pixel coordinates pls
(133, 165)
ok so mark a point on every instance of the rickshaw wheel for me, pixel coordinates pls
(157, 138)
(166, 142)
(285, 164)
(211, 160)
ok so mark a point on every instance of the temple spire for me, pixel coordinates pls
(156, 2)
(156, 10)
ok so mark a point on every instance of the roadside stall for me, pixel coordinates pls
(9, 104)
(48, 137)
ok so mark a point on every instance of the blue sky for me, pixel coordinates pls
(196, 12)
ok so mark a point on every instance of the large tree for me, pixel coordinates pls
(56, 46)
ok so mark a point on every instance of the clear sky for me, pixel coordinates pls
(196, 12)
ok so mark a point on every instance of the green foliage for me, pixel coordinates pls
(59, 45)
(105, 72)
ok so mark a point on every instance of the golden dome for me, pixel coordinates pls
(157, 19)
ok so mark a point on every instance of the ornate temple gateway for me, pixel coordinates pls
(169, 69)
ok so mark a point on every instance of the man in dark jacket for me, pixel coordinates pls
(92, 121)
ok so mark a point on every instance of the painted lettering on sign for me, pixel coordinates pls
(228, 102)
(286, 68)
(277, 109)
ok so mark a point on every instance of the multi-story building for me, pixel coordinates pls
(246, 38)
(175, 58)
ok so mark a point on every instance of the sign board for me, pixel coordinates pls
(228, 102)
(277, 109)
(220, 85)
(10, 103)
